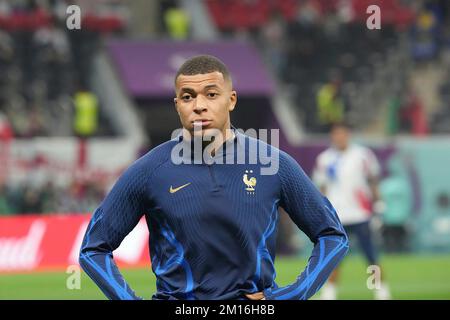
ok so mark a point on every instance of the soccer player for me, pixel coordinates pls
(212, 226)
(347, 174)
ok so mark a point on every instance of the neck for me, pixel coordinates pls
(217, 142)
(214, 142)
(343, 148)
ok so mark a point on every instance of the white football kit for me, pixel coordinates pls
(345, 175)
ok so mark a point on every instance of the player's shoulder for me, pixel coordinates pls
(266, 148)
(162, 150)
(155, 157)
(361, 150)
(262, 144)
(252, 141)
(326, 155)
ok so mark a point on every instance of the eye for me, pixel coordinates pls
(212, 94)
(186, 97)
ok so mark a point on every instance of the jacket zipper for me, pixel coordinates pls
(213, 178)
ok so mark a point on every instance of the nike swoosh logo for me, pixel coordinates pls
(172, 190)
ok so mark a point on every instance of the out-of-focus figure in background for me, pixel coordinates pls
(86, 113)
(347, 174)
(177, 23)
(397, 195)
(330, 105)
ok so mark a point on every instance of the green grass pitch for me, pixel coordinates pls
(409, 277)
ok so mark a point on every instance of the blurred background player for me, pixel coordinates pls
(347, 173)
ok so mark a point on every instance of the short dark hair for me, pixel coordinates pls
(340, 125)
(203, 64)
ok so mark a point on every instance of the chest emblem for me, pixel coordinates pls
(250, 182)
(173, 190)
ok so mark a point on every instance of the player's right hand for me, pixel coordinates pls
(256, 296)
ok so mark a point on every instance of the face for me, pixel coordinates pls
(340, 137)
(204, 102)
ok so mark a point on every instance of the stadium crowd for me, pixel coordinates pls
(44, 91)
(322, 51)
(44, 64)
(78, 197)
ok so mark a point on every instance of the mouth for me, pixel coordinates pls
(201, 123)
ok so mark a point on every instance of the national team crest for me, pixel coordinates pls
(250, 182)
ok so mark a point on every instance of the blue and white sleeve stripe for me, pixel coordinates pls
(107, 280)
(113, 220)
(98, 263)
(326, 255)
(316, 217)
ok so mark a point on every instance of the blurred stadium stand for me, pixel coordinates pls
(44, 64)
(45, 67)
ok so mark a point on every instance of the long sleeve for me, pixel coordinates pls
(111, 222)
(316, 217)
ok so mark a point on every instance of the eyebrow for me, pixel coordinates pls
(192, 91)
(212, 86)
(187, 90)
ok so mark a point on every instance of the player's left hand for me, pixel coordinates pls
(256, 296)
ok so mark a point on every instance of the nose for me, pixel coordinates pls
(199, 105)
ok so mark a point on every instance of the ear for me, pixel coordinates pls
(175, 100)
(233, 101)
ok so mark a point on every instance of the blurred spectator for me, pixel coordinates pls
(414, 116)
(6, 132)
(345, 11)
(393, 116)
(6, 49)
(330, 105)
(274, 42)
(49, 197)
(5, 138)
(425, 36)
(177, 22)
(5, 7)
(53, 57)
(5, 206)
(309, 13)
(36, 123)
(396, 194)
(31, 201)
(86, 113)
